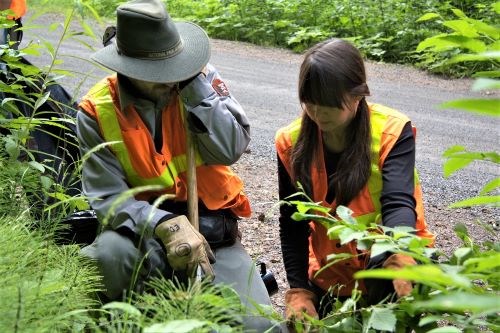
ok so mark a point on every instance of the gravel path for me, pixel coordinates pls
(264, 81)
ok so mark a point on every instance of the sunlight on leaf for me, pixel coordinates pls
(382, 319)
(493, 201)
(178, 326)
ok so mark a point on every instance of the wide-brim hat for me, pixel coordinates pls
(150, 46)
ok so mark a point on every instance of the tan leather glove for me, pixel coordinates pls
(299, 301)
(186, 248)
(399, 261)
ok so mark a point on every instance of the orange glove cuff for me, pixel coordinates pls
(398, 261)
(299, 301)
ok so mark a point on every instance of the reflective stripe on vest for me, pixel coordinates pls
(112, 133)
(378, 119)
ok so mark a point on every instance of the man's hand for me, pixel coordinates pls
(186, 248)
(399, 261)
(299, 301)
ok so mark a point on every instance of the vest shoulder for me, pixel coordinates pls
(294, 126)
(101, 88)
(382, 110)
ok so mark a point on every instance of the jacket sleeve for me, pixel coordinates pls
(218, 122)
(103, 182)
(398, 175)
(294, 235)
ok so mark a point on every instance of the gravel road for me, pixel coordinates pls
(264, 81)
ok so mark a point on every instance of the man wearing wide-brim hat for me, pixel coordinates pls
(161, 70)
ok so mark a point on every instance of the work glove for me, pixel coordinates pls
(299, 301)
(186, 248)
(398, 261)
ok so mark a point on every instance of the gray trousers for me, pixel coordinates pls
(117, 257)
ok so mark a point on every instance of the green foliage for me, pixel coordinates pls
(167, 306)
(24, 109)
(384, 30)
(473, 45)
(41, 282)
(460, 291)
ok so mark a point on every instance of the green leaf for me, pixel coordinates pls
(491, 186)
(347, 235)
(458, 13)
(345, 214)
(178, 326)
(453, 150)
(382, 319)
(478, 201)
(427, 17)
(496, 7)
(482, 56)
(484, 264)
(38, 166)
(490, 107)
(461, 302)
(46, 182)
(379, 248)
(122, 306)
(431, 275)
(485, 84)
(454, 164)
(41, 100)
(484, 28)
(461, 27)
(495, 74)
(446, 42)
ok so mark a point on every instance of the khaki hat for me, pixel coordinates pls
(151, 47)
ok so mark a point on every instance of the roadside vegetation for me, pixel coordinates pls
(384, 30)
(48, 287)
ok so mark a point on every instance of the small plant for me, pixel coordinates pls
(459, 293)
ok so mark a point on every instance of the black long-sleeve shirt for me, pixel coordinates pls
(397, 204)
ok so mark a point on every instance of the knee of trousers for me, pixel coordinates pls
(116, 258)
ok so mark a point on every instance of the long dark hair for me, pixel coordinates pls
(330, 71)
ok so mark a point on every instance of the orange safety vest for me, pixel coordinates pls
(18, 7)
(218, 186)
(386, 126)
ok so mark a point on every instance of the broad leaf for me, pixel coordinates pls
(462, 27)
(460, 302)
(379, 248)
(482, 56)
(427, 17)
(122, 306)
(489, 107)
(382, 319)
(491, 186)
(178, 326)
(485, 84)
(478, 201)
(431, 275)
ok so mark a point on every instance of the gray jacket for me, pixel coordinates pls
(220, 129)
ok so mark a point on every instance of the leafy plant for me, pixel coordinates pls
(471, 41)
(438, 299)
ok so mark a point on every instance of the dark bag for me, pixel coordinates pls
(218, 228)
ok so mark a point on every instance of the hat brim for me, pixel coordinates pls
(190, 61)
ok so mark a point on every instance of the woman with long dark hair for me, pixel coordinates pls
(343, 151)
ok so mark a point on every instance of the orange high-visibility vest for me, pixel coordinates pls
(18, 7)
(386, 127)
(218, 186)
